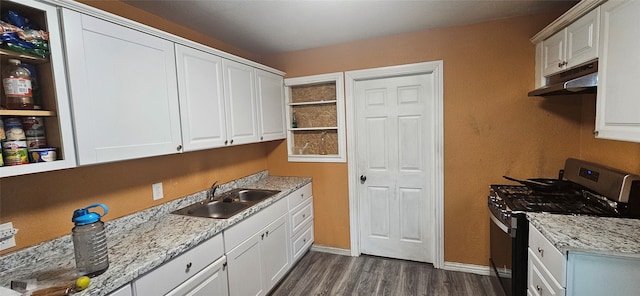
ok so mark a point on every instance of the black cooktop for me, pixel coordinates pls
(566, 201)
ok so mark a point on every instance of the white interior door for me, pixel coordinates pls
(393, 152)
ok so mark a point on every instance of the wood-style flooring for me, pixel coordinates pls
(320, 273)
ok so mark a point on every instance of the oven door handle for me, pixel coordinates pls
(506, 229)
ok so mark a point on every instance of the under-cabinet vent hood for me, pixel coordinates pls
(578, 80)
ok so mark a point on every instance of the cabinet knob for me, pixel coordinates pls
(231, 141)
(262, 236)
(562, 64)
(363, 178)
(261, 138)
(541, 251)
(224, 266)
(189, 266)
(304, 240)
(539, 289)
(179, 147)
(304, 215)
(595, 133)
(267, 233)
(225, 142)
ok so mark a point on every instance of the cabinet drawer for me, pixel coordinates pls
(540, 281)
(210, 281)
(244, 229)
(301, 215)
(171, 274)
(303, 241)
(550, 257)
(298, 196)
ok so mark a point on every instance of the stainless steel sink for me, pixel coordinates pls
(227, 204)
(254, 195)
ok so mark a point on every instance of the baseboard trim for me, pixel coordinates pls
(331, 250)
(469, 268)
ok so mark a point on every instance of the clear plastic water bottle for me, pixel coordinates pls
(17, 86)
(90, 241)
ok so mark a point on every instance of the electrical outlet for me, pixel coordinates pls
(7, 236)
(157, 191)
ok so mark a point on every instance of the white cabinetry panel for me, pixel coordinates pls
(270, 92)
(202, 105)
(617, 115)
(123, 91)
(241, 111)
(574, 45)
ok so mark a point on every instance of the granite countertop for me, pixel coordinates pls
(139, 242)
(569, 233)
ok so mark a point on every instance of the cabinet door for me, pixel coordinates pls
(124, 93)
(275, 247)
(239, 90)
(617, 115)
(582, 39)
(123, 291)
(553, 53)
(202, 109)
(210, 281)
(246, 276)
(270, 91)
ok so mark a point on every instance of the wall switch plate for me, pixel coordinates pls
(7, 236)
(157, 191)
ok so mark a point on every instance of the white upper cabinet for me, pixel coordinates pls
(202, 105)
(239, 90)
(123, 91)
(270, 91)
(617, 112)
(572, 46)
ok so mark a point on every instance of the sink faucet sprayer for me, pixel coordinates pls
(212, 191)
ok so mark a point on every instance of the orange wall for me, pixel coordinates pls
(491, 127)
(41, 205)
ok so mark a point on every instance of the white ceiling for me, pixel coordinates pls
(266, 27)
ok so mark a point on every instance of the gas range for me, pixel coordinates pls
(583, 188)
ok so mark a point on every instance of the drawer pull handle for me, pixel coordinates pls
(541, 251)
(189, 265)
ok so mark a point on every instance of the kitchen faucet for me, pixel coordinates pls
(212, 191)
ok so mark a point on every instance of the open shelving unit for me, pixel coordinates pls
(318, 104)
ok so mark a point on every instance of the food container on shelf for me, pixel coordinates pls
(42, 154)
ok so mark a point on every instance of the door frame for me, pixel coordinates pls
(436, 171)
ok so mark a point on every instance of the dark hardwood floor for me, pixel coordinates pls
(328, 274)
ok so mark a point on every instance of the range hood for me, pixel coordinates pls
(579, 80)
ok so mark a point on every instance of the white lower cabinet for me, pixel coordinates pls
(210, 281)
(199, 271)
(123, 291)
(578, 273)
(301, 218)
(263, 257)
(545, 272)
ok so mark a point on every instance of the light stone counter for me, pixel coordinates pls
(568, 233)
(139, 242)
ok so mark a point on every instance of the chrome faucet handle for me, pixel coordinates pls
(212, 190)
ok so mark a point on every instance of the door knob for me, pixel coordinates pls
(363, 178)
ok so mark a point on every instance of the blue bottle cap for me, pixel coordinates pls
(84, 217)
